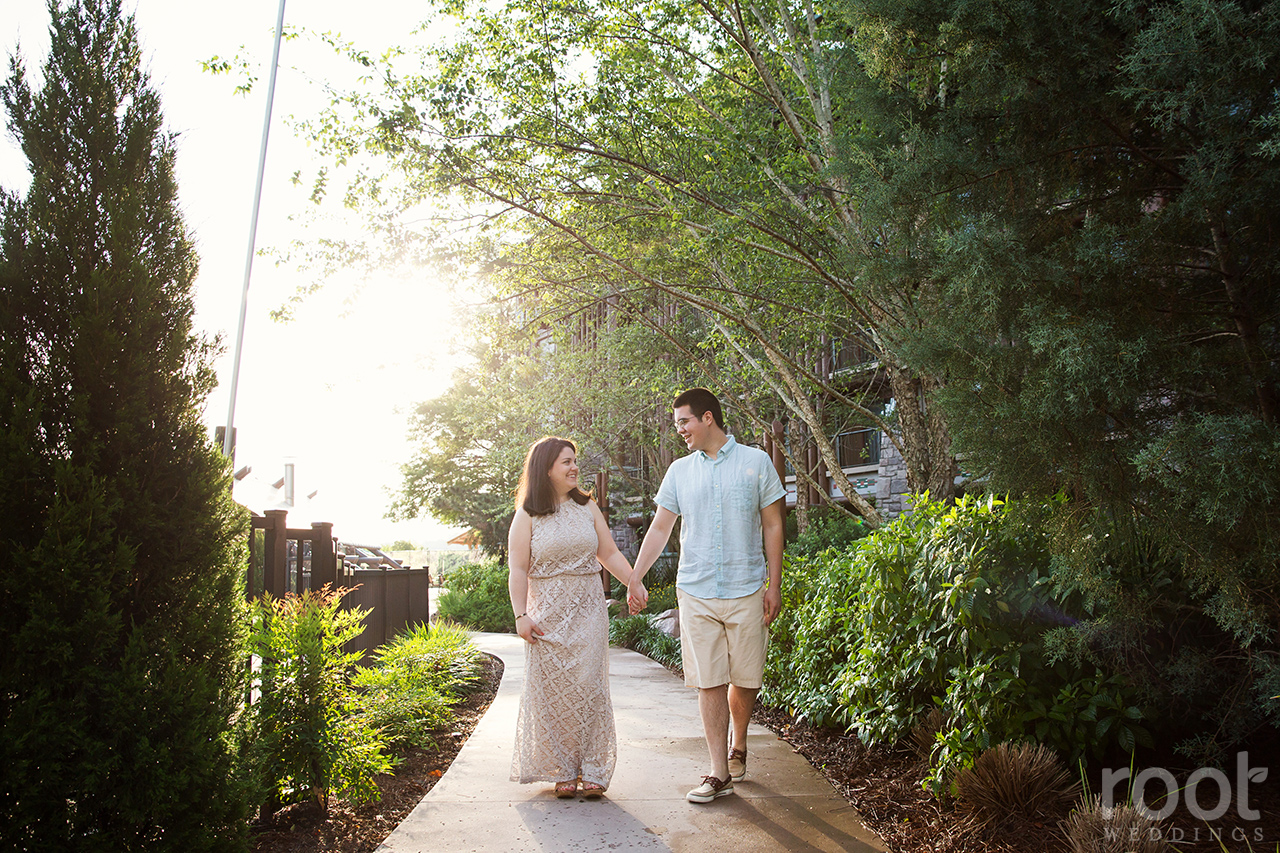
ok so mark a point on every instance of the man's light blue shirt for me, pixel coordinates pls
(719, 502)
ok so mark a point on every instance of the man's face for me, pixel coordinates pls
(695, 431)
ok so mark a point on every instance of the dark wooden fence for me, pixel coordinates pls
(395, 599)
(285, 559)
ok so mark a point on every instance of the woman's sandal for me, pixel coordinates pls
(565, 790)
(592, 791)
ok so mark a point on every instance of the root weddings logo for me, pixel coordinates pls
(1203, 802)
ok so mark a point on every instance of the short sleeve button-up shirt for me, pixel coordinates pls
(719, 501)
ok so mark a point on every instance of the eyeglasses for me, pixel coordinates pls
(680, 423)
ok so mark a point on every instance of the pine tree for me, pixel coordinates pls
(120, 549)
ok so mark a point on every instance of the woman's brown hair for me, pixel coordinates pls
(534, 492)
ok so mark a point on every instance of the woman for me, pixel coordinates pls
(557, 544)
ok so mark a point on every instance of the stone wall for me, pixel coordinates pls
(891, 481)
(624, 535)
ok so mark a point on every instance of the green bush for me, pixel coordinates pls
(826, 530)
(947, 607)
(408, 691)
(812, 638)
(308, 737)
(476, 596)
(1156, 623)
(638, 634)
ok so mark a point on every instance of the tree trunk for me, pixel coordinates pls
(925, 438)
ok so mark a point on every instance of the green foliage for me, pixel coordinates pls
(1166, 629)
(1107, 322)
(447, 561)
(639, 634)
(661, 598)
(946, 607)
(811, 640)
(407, 692)
(477, 597)
(826, 530)
(471, 440)
(121, 551)
(648, 201)
(466, 468)
(401, 545)
(309, 739)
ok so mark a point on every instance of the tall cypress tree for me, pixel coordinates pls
(120, 548)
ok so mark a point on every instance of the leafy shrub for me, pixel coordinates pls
(828, 529)
(811, 640)
(639, 634)
(947, 607)
(308, 739)
(408, 691)
(1156, 626)
(1023, 779)
(661, 599)
(477, 597)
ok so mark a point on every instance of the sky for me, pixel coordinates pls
(330, 392)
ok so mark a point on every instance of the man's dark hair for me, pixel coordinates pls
(534, 492)
(700, 401)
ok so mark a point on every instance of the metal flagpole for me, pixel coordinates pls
(253, 233)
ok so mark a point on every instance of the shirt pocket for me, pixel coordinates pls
(742, 496)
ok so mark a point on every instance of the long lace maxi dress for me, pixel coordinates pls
(565, 729)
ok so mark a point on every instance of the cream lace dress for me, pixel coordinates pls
(565, 728)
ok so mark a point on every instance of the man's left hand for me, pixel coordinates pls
(772, 604)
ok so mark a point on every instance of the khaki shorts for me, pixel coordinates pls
(722, 640)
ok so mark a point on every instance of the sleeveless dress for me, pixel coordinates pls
(565, 727)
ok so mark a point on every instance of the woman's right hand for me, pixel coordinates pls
(528, 629)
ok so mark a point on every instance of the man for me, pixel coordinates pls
(728, 495)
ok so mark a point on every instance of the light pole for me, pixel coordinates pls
(253, 234)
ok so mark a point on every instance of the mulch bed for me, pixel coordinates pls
(883, 784)
(302, 828)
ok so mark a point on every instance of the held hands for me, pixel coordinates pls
(527, 629)
(637, 596)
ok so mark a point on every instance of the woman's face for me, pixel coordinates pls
(564, 472)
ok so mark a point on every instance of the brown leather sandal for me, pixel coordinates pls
(567, 789)
(592, 791)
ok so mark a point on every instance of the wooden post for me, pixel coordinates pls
(275, 553)
(249, 591)
(324, 563)
(602, 501)
(811, 467)
(779, 458)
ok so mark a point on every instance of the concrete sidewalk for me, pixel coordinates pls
(783, 805)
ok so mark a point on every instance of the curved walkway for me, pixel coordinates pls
(784, 805)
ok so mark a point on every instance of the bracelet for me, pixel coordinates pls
(526, 613)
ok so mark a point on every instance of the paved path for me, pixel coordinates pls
(784, 805)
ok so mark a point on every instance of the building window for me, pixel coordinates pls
(858, 448)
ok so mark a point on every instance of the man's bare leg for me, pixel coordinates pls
(741, 701)
(713, 706)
